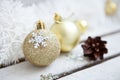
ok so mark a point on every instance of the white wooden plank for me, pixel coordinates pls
(25, 70)
(106, 71)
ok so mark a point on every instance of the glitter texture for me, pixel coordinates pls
(42, 56)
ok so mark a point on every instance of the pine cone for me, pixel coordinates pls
(94, 48)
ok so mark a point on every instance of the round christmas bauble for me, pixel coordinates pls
(110, 7)
(41, 47)
(67, 32)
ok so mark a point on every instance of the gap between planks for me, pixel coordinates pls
(23, 59)
(107, 70)
(86, 66)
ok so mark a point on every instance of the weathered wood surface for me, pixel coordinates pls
(105, 71)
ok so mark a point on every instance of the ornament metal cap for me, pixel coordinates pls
(40, 25)
(57, 18)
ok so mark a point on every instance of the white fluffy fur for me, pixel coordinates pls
(18, 17)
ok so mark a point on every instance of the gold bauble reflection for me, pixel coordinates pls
(67, 32)
(110, 7)
(82, 24)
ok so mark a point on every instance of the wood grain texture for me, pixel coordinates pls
(86, 66)
(105, 71)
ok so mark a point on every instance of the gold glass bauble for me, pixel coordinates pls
(110, 7)
(67, 32)
(41, 47)
(82, 24)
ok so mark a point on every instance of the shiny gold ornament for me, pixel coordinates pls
(82, 24)
(67, 32)
(41, 47)
(110, 7)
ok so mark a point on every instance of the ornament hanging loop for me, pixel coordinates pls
(40, 25)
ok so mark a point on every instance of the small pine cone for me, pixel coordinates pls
(94, 48)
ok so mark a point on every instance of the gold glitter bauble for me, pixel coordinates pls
(110, 7)
(41, 47)
(67, 32)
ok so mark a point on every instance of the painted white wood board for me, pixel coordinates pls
(109, 70)
(25, 70)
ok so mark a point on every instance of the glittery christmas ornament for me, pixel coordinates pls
(67, 32)
(41, 47)
(82, 24)
(110, 7)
